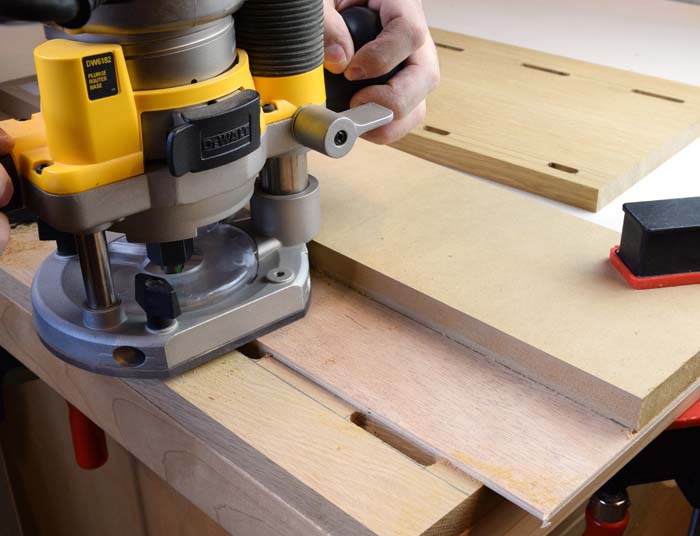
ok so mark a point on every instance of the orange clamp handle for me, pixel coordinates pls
(601, 528)
(89, 441)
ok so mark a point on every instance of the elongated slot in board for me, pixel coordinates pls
(552, 109)
(390, 437)
(449, 47)
(545, 69)
(393, 439)
(436, 130)
(562, 167)
(657, 96)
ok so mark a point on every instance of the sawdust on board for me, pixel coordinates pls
(25, 249)
(538, 492)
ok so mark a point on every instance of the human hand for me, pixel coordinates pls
(6, 191)
(405, 38)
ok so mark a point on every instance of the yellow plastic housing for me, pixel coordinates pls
(89, 128)
(289, 93)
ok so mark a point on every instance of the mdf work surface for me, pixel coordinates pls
(508, 277)
(565, 129)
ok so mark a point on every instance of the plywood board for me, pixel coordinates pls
(510, 278)
(537, 448)
(568, 130)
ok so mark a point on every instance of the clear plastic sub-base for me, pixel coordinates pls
(233, 289)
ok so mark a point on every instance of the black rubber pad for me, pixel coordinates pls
(661, 237)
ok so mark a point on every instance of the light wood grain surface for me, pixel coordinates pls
(272, 435)
(322, 449)
(564, 129)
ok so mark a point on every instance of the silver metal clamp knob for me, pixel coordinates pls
(334, 134)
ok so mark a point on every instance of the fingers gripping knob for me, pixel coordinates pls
(364, 25)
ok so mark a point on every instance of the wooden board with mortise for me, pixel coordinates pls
(258, 448)
(565, 129)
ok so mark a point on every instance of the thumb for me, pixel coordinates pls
(338, 45)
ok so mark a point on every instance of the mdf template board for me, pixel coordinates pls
(565, 129)
(549, 361)
(509, 277)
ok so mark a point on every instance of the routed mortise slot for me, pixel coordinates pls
(436, 130)
(545, 69)
(562, 167)
(657, 96)
(449, 47)
(394, 440)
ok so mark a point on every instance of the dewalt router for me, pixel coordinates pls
(159, 122)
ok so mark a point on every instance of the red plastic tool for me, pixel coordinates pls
(690, 418)
(655, 281)
(89, 442)
(600, 528)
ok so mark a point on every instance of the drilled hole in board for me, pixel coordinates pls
(393, 439)
(436, 130)
(545, 69)
(562, 167)
(449, 47)
(657, 96)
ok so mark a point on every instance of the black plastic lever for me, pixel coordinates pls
(66, 13)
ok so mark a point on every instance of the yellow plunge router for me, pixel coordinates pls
(182, 130)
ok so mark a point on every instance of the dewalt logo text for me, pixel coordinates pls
(221, 142)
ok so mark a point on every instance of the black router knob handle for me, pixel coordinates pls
(158, 299)
(66, 13)
(65, 242)
(364, 25)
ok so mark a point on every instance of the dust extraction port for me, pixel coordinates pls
(128, 356)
